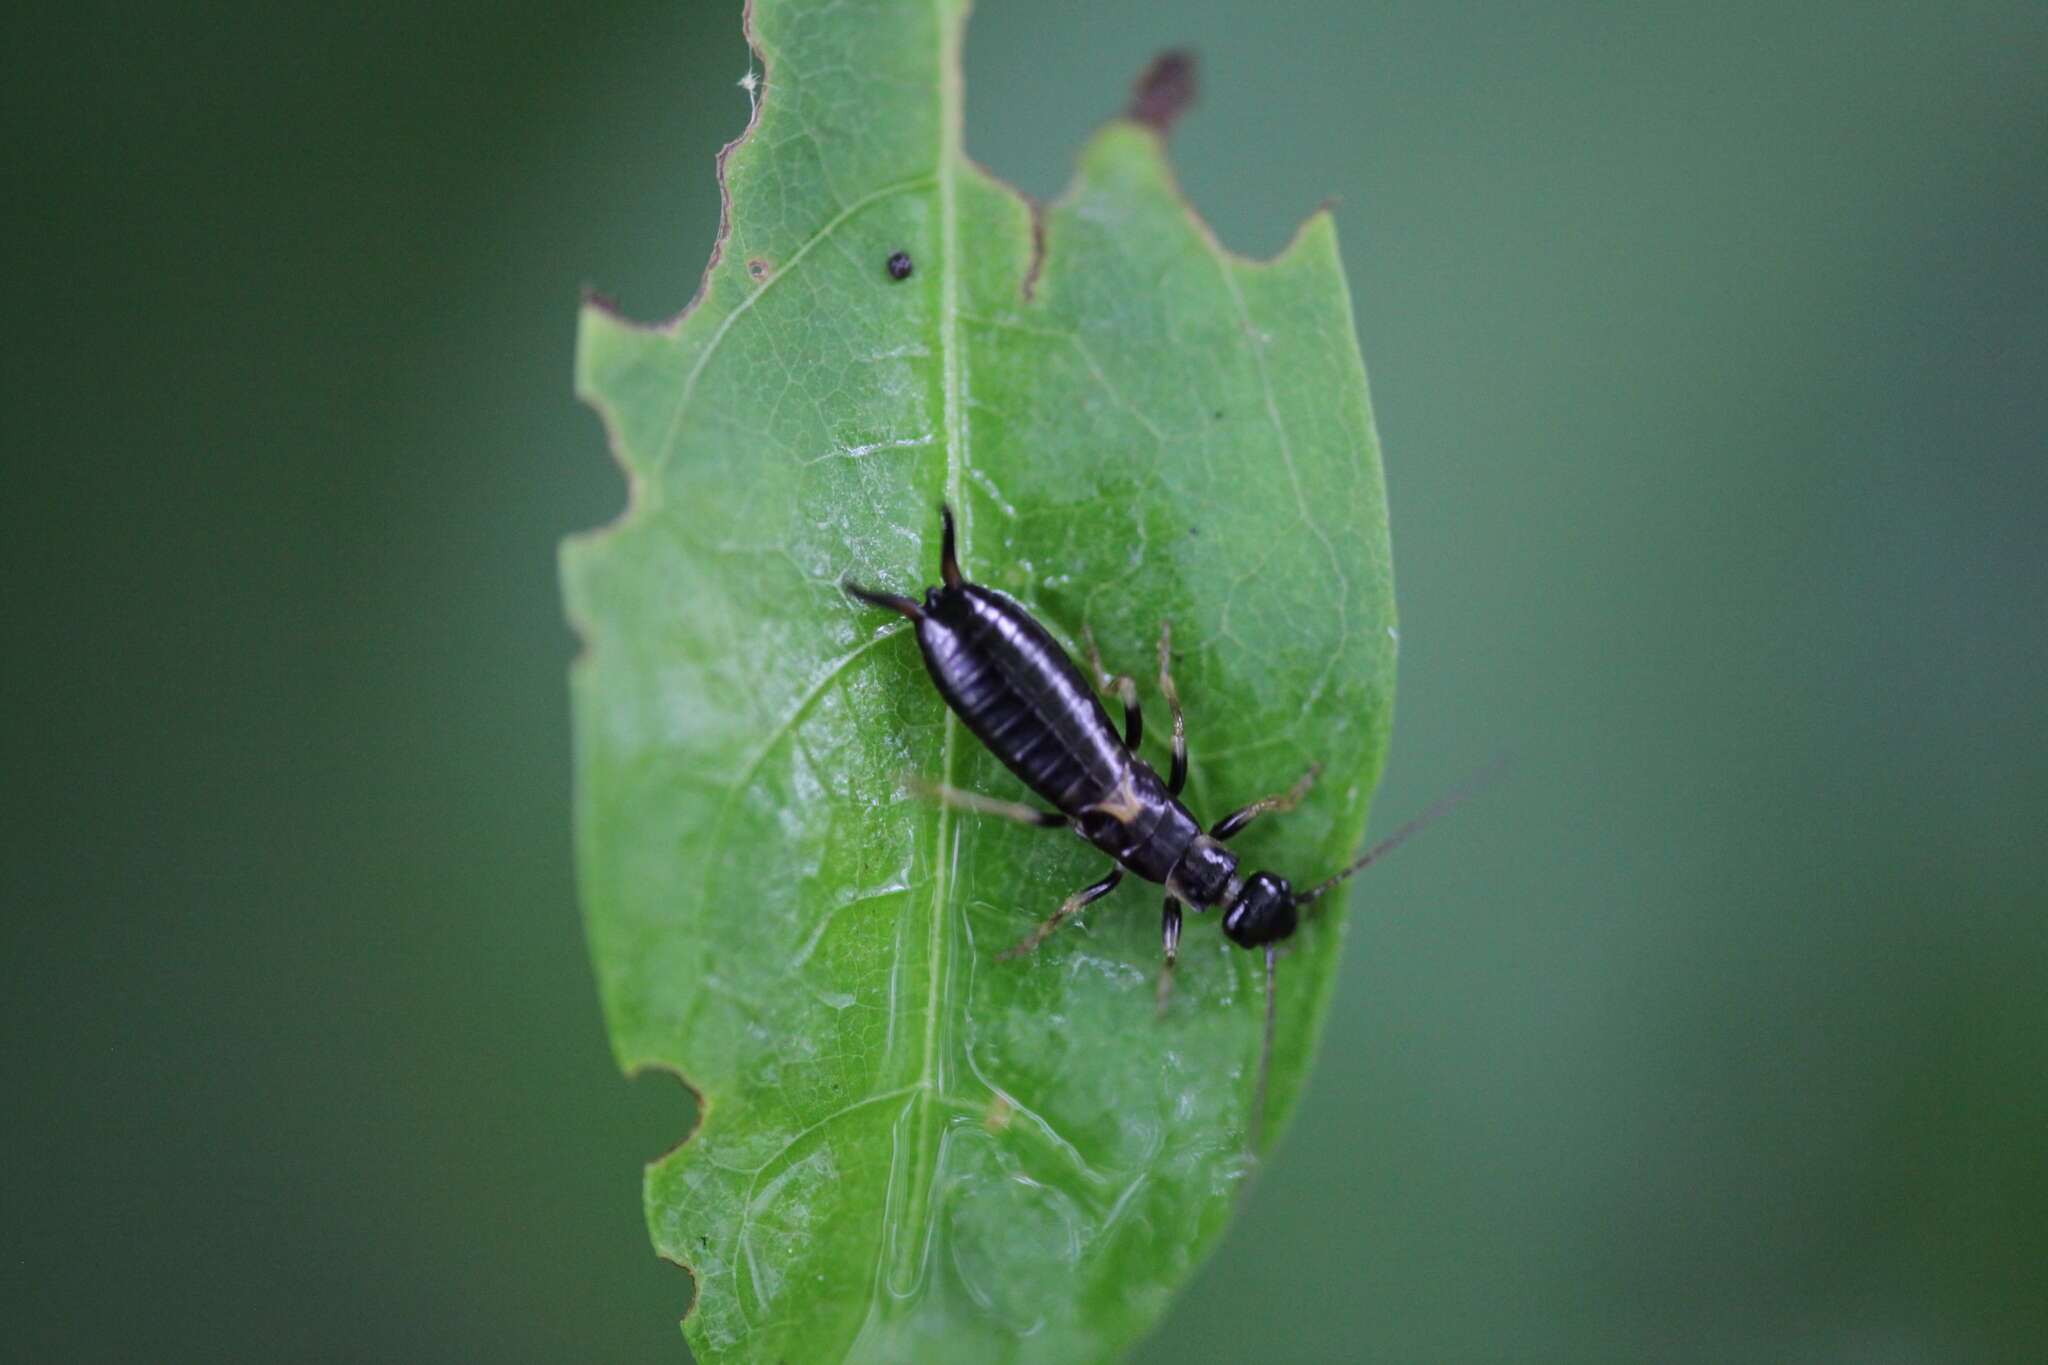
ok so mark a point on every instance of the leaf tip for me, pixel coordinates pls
(1163, 91)
(1132, 148)
(1315, 233)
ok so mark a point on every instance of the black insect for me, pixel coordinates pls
(1023, 697)
(900, 265)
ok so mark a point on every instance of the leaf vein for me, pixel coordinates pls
(1343, 613)
(740, 309)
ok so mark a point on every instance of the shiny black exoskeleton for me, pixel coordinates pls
(1023, 697)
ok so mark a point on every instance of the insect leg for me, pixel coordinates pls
(1179, 777)
(1286, 801)
(1067, 908)
(1122, 688)
(1170, 932)
(984, 805)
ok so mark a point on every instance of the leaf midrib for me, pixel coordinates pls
(911, 1248)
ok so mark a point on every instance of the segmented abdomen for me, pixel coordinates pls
(1021, 695)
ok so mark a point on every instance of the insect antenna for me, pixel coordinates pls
(1472, 786)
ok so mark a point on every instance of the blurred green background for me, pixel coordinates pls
(1710, 348)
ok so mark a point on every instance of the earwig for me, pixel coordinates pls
(1024, 698)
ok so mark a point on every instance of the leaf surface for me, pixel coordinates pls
(906, 1148)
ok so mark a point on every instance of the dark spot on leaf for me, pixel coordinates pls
(1163, 91)
(1218, 414)
(900, 266)
(758, 268)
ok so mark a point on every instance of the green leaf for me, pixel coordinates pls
(908, 1149)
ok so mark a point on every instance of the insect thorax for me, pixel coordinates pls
(1204, 874)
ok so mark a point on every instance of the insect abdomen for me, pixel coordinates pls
(1139, 823)
(1020, 694)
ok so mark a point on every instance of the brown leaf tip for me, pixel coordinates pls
(1163, 91)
